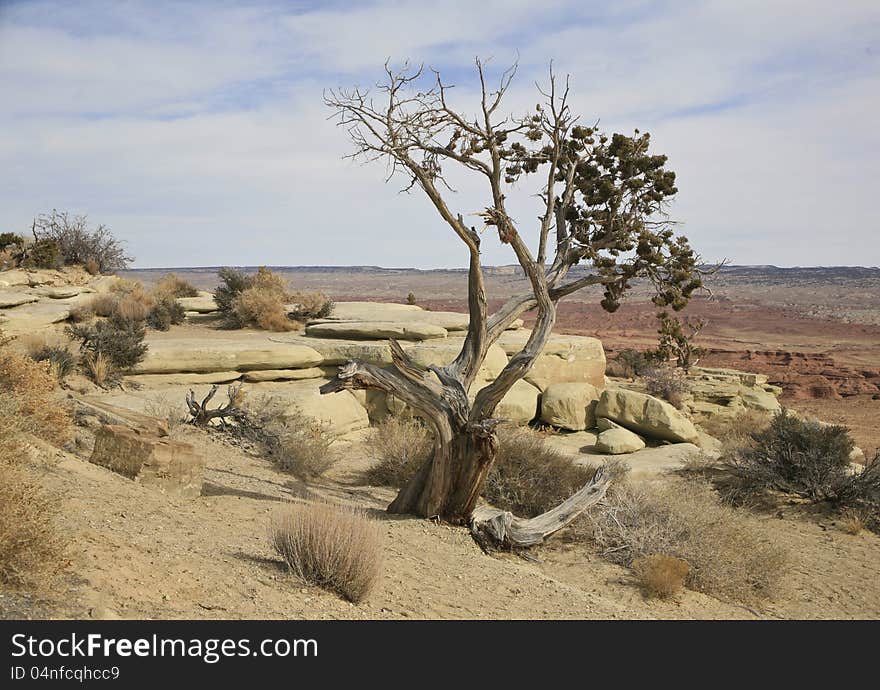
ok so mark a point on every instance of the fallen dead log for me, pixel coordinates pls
(494, 528)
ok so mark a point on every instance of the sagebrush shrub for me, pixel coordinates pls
(29, 404)
(262, 308)
(34, 390)
(529, 476)
(333, 547)
(61, 360)
(310, 305)
(29, 545)
(232, 283)
(43, 253)
(794, 456)
(175, 286)
(629, 363)
(119, 339)
(287, 437)
(730, 554)
(165, 312)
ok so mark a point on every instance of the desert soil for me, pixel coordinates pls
(136, 553)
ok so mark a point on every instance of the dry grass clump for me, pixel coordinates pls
(734, 429)
(660, 575)
(262, 308)
(527, 478)
(158, 406)
(262, 303)
(401, 445)
(295, 442)
(29, 546)
(853, 521)
(60, 359)
(33, 388)
(103, 304)
(175, 286)
(333, 547)
(730, 555)
(310, 305)
(99, 368)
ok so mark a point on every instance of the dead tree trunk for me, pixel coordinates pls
(595, 204)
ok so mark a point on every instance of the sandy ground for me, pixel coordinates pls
(135, 553)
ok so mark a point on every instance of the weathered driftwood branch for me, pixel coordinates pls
(492, 527)
(202, 416)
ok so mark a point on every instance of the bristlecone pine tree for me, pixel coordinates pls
(602, 205)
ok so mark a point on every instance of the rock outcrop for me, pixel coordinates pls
(565, 359)
(570, 406)
(616, 441)
(169, 466)
(170, 355)
(646, 415)
(376, 330)
(727, 392)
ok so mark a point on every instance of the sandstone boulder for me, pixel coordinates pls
(282, 374)
(371, 311)
(35, 316)
(203, 304)
(172, 467)
(570, 406)
(171, 355)
(62, 292)
(335, 351)
(646, 415)
(184, 379)
(376, 330)
(760, 400)
(618, 441)
(565, 359)
(10, 298)
(339, 413)
(443, 352)
(520, 403)
(400, 314)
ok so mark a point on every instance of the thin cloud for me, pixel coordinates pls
(199, 134)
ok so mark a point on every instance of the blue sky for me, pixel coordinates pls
(197, 131)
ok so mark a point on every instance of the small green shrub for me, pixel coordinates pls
(165, 312)
(43, 254)
(61, 360)
(9, 240)
(233, 283)
(119, 339)
(794, 456)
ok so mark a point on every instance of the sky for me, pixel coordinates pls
(197, 131)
